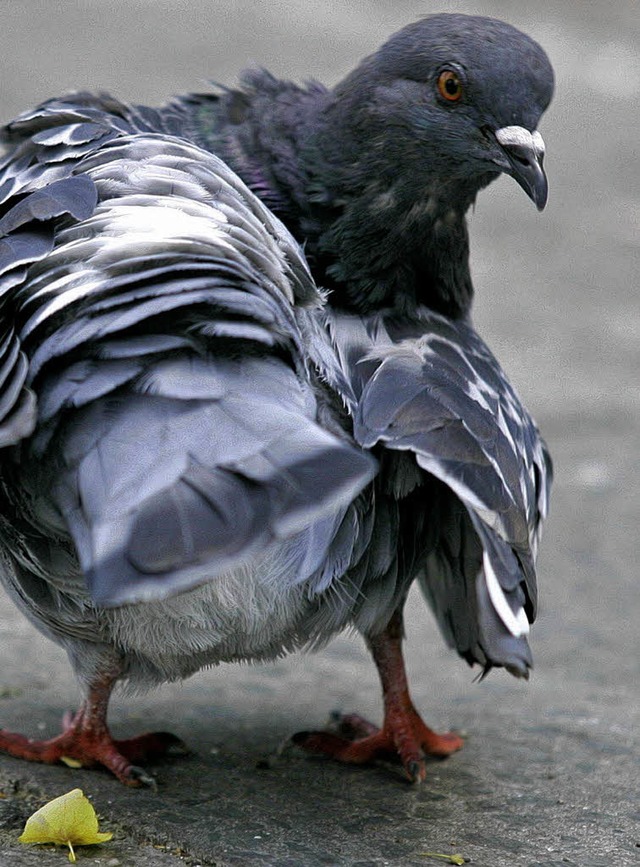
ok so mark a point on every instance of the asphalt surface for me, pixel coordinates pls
(549, 775)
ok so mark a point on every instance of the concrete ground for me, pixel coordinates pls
(549, 775)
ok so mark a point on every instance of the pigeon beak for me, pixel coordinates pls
(523, 156)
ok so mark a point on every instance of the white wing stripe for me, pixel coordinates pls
(517, 624)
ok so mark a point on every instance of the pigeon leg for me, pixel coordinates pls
(403, 736)
(85, 739)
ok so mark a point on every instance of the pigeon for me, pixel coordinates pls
(208, 458)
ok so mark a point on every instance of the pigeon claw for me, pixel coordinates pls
(84, 746)
(404, 737)
(139, 777)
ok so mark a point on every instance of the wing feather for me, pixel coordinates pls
(434, 390)
(162, 318)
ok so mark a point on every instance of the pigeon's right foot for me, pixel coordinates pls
(404, 736)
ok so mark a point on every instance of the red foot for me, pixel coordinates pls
(86, 739)
(355, 727)
(403, 736)
(90, 748)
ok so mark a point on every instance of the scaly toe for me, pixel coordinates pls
(416, 772)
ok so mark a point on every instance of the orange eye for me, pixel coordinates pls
(449, 85)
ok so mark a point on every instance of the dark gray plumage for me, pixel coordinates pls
(431, 390)
(189, 428)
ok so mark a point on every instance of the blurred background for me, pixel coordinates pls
(557, 300)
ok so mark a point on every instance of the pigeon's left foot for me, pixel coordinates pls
(85, 741)
(403, 736)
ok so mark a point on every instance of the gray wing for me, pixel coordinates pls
(163, 311)
(434, 390)
(26, 235)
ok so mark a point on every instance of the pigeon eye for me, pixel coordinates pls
(449, 85)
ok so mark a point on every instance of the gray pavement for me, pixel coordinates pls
(549, 775)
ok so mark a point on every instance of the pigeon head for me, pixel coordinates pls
(459, 95)
(406, 141)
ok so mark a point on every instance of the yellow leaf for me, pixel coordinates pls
(70, 763)
(450, 859)
(67, 820)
